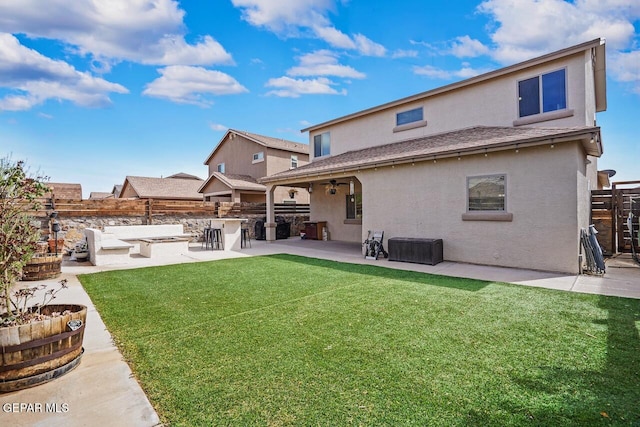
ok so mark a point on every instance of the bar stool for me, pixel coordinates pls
(245, 237)
(206, 237)
(216, 238)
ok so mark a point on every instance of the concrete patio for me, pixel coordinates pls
(102, 390)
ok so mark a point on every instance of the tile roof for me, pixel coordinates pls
(265, 141)
(239, 182)
(63, 190)
(165, 188)
(464, 141)
(278, 143)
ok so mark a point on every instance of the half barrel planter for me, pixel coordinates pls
(41, 351)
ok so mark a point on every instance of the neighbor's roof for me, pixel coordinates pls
(97, 195)
(164, 188)
(600, 81)
(265, 141)
(234, 182)
(66, 191)
(182, 175)
(473, 140)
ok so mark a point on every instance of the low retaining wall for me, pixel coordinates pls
(72, 228)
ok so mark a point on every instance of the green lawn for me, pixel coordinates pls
(288, 340)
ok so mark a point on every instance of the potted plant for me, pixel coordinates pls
(42, 341)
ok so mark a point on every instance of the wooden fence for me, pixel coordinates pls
(609, 212)
(151, 208)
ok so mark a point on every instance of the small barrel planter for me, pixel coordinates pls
(42, 267)
(43, 350)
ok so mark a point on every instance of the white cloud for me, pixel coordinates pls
(323, 63)
(293, 88)
(305, 18)
(284, 16)
(402, 53)
(33, 79)
(466, 47)
(218, 127)
(528, 28)
(187, 85)
(145, 31)
(625, 67)
(437, 73)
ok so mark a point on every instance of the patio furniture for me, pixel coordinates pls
(373, 245)
(246, 237)
(313, 229)
(417, 250)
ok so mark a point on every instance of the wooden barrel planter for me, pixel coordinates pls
(42, 267)
(41, 351)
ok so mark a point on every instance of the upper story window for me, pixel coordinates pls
(410, 119)
(411, 116)
(486, 193)
(221, 167)
(258, 157)
(321, 145)
(294, 161)
(542, 94)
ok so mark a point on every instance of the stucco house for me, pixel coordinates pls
(180, 186)
(240, 158)
(500, 166)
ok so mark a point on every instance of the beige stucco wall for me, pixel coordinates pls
(544, 186)
(237, 155)
(280, 160)
(490, 103)
(333, 209)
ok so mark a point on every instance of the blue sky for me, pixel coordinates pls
(92, 91)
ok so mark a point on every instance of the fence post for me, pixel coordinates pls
(149, 211)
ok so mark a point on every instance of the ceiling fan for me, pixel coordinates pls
(332, 186)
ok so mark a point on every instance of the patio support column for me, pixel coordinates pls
(270, 225)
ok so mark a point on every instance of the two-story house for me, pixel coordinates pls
(500, 166)
(240, 158)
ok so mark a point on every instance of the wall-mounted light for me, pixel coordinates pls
(352, 188)
(593, 138)
(310, 188)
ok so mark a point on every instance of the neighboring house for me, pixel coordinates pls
(117, 189)
(100, 195)
(240, 158)
(175, 187)
(500, 166)
(65, 191)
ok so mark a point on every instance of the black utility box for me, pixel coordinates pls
(410, 249)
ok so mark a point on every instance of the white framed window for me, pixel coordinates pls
(542, 94)
(409, 116)
(221, 167)
(258, 157)
(322, 145)
(294, 161)
(486, 193)
(410, 119)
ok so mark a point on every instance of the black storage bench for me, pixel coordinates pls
(410, 249)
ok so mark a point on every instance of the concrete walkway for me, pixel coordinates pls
(102, 391)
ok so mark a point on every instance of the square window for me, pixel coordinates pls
(258, 156)
(544, 93)
(221, 167)
(294, 161)
(321, 145)
(411, 116)
(486, 193)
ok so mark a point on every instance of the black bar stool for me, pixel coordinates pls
(216, 238)
(245, 237)
(206, 237)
